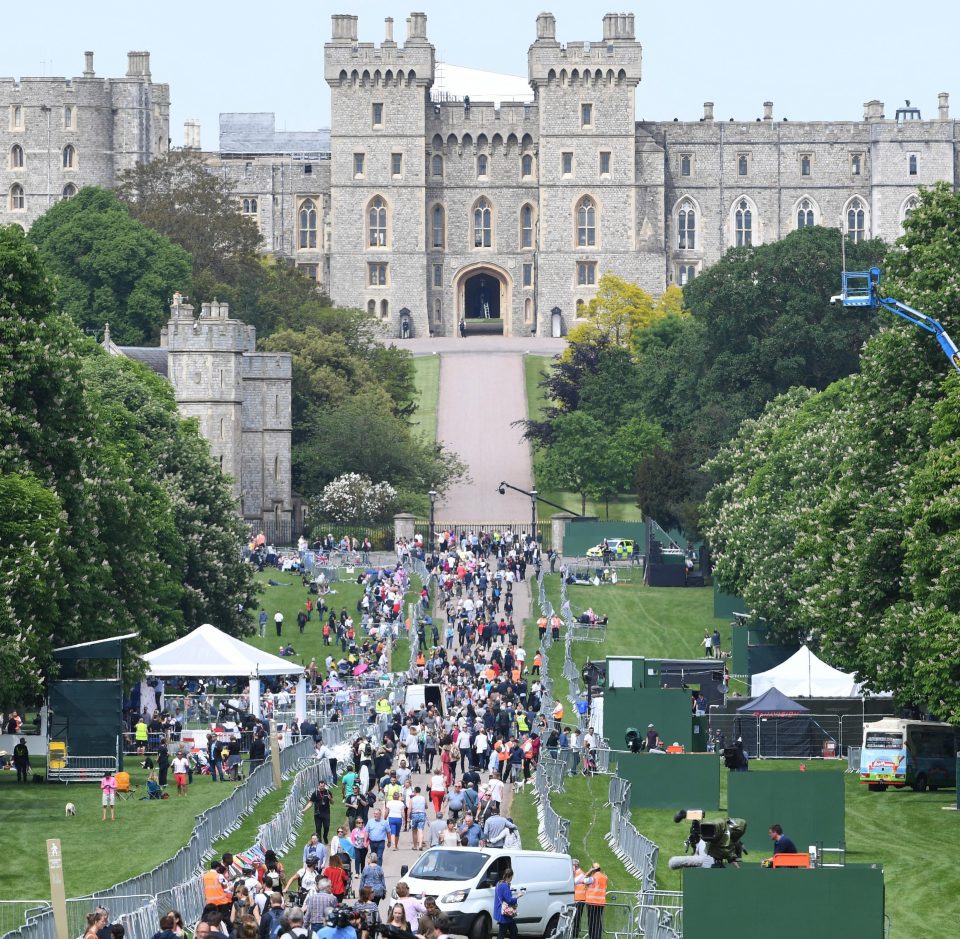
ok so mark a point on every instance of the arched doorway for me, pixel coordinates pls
(484, 300)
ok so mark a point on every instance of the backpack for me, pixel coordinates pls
(454, 753)
(276, 923)
(273, 880)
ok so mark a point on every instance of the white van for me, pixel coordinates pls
(464, 879)
(417, 697)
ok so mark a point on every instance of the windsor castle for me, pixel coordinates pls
(435, 211)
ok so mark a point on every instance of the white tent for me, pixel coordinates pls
(209, 653)
(804, 675)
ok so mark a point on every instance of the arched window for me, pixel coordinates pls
(687, 226)
(437, 226)
(384, 309)
(69, 191)
(907, 209)
(308, 224)
(69, 157)
(528, 310)
(482, 224)
(372, 307)
(805, 216)
(686, 273)
(437, 311)
(912, 163)
(249, 206)
(276, 467)
(743, 224)
(586, 223)
(856, 220)
(16, 157)
(526, 165)
(482, 165)
(377, 223)
(17, 199)
(221, 420)
(526, 226)
(437, 165)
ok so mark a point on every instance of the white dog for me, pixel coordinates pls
(70, 809)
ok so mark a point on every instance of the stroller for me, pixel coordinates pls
(588, 763)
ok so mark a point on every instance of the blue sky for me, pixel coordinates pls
(815, 60)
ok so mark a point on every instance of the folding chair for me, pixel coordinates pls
(124, 789)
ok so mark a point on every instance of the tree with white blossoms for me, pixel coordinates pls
(355, 498)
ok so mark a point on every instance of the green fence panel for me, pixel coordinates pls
(668, 709)
(726, 604)
(672, 781)
(579, 536)
(753, 903)
(808, 806)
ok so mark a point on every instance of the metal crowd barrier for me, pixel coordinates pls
(637, 852)
(853, 759)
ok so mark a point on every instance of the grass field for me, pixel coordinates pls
(907, 833)
(620, 510)
(96, 854)
(426, 373)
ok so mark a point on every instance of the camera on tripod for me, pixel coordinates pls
(721, 838)
(633, 740)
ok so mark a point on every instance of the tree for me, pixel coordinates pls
(110, 268)
(355, 498)
(576, 459)
(179, 197)
(619, 309)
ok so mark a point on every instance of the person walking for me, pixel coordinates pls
(278, 621)
(108, 788)
(505, 906)
(596, 900)
(320, 800)
(21, 760)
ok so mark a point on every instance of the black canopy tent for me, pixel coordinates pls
(774, 725)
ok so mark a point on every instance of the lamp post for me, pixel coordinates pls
(433, 501)
(533, 514)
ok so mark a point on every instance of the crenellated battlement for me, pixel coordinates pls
(616, 59)
(349, 61)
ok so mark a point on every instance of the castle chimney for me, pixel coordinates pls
(768, 110)
(873, 110)
(388, 24)
(708, 110)
(138, 65)
(417, 27)
(617, 26)
(943, 102)
(344, 28)
(547, 27)
(88, 65)
(191, 134)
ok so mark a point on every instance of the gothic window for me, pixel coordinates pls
(384, 309)
(437, 226)
(437, 275)
(856, 164)
(248, 206)
(17, 198)
(372, 307)
(912, 164)
(437, 311)
(685, 164)
(308, 224)
(377, 274)
(377, 223)
(743, 164)
(526, 165)
(69, 191)
(69, 114)
(69, 157)
(16, 117)
(482, 224)
(526, 226)
(437, 165)
(856, 220)
(276, 467)
(358, 162)
(805, 215)
(743, 224)
(686, 273)
(604, 162)
(528, 310)
(586, 223)
(805, 164)
(909, 207)
(221, 423)
(527, 275)
(396, 164)
(16, 156)
(566, 163)
(686, 227)
(482, 165)
(586, 273)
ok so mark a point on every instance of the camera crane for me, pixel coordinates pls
(860, 290)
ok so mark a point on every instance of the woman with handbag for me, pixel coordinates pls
(505, 906)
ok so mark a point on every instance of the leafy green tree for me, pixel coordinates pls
(576, 459)
(620, 309)
(109, 267)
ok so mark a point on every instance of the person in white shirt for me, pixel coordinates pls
(180, 767)
(480, 747)
(395, 809)
(450, 837)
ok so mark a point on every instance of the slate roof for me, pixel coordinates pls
(152, 356)
(255, 132)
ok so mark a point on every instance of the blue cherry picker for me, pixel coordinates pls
(861, 289)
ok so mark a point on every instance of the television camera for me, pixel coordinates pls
(721, 838)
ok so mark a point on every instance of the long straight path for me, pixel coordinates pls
(482, 394)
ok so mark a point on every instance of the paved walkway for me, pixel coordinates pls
(481, 396)
(532, 345)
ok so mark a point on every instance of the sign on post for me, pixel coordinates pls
(58, 896)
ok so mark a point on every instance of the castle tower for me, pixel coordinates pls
(141, 123)
(379, 97)
(205, 367)
(593, 217)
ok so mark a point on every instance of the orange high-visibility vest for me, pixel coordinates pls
(597, 891)
(213, 891)
(557, 711)
(579, 888)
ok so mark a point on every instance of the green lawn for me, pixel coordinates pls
(96, 854)
(426, 374)
(908, 833)
(622, 509)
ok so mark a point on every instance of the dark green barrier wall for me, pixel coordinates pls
(578, 536)
(667, 709)
(808, 806)
(673, 781)
(752, 903)
(92, 712)
(726, 604)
